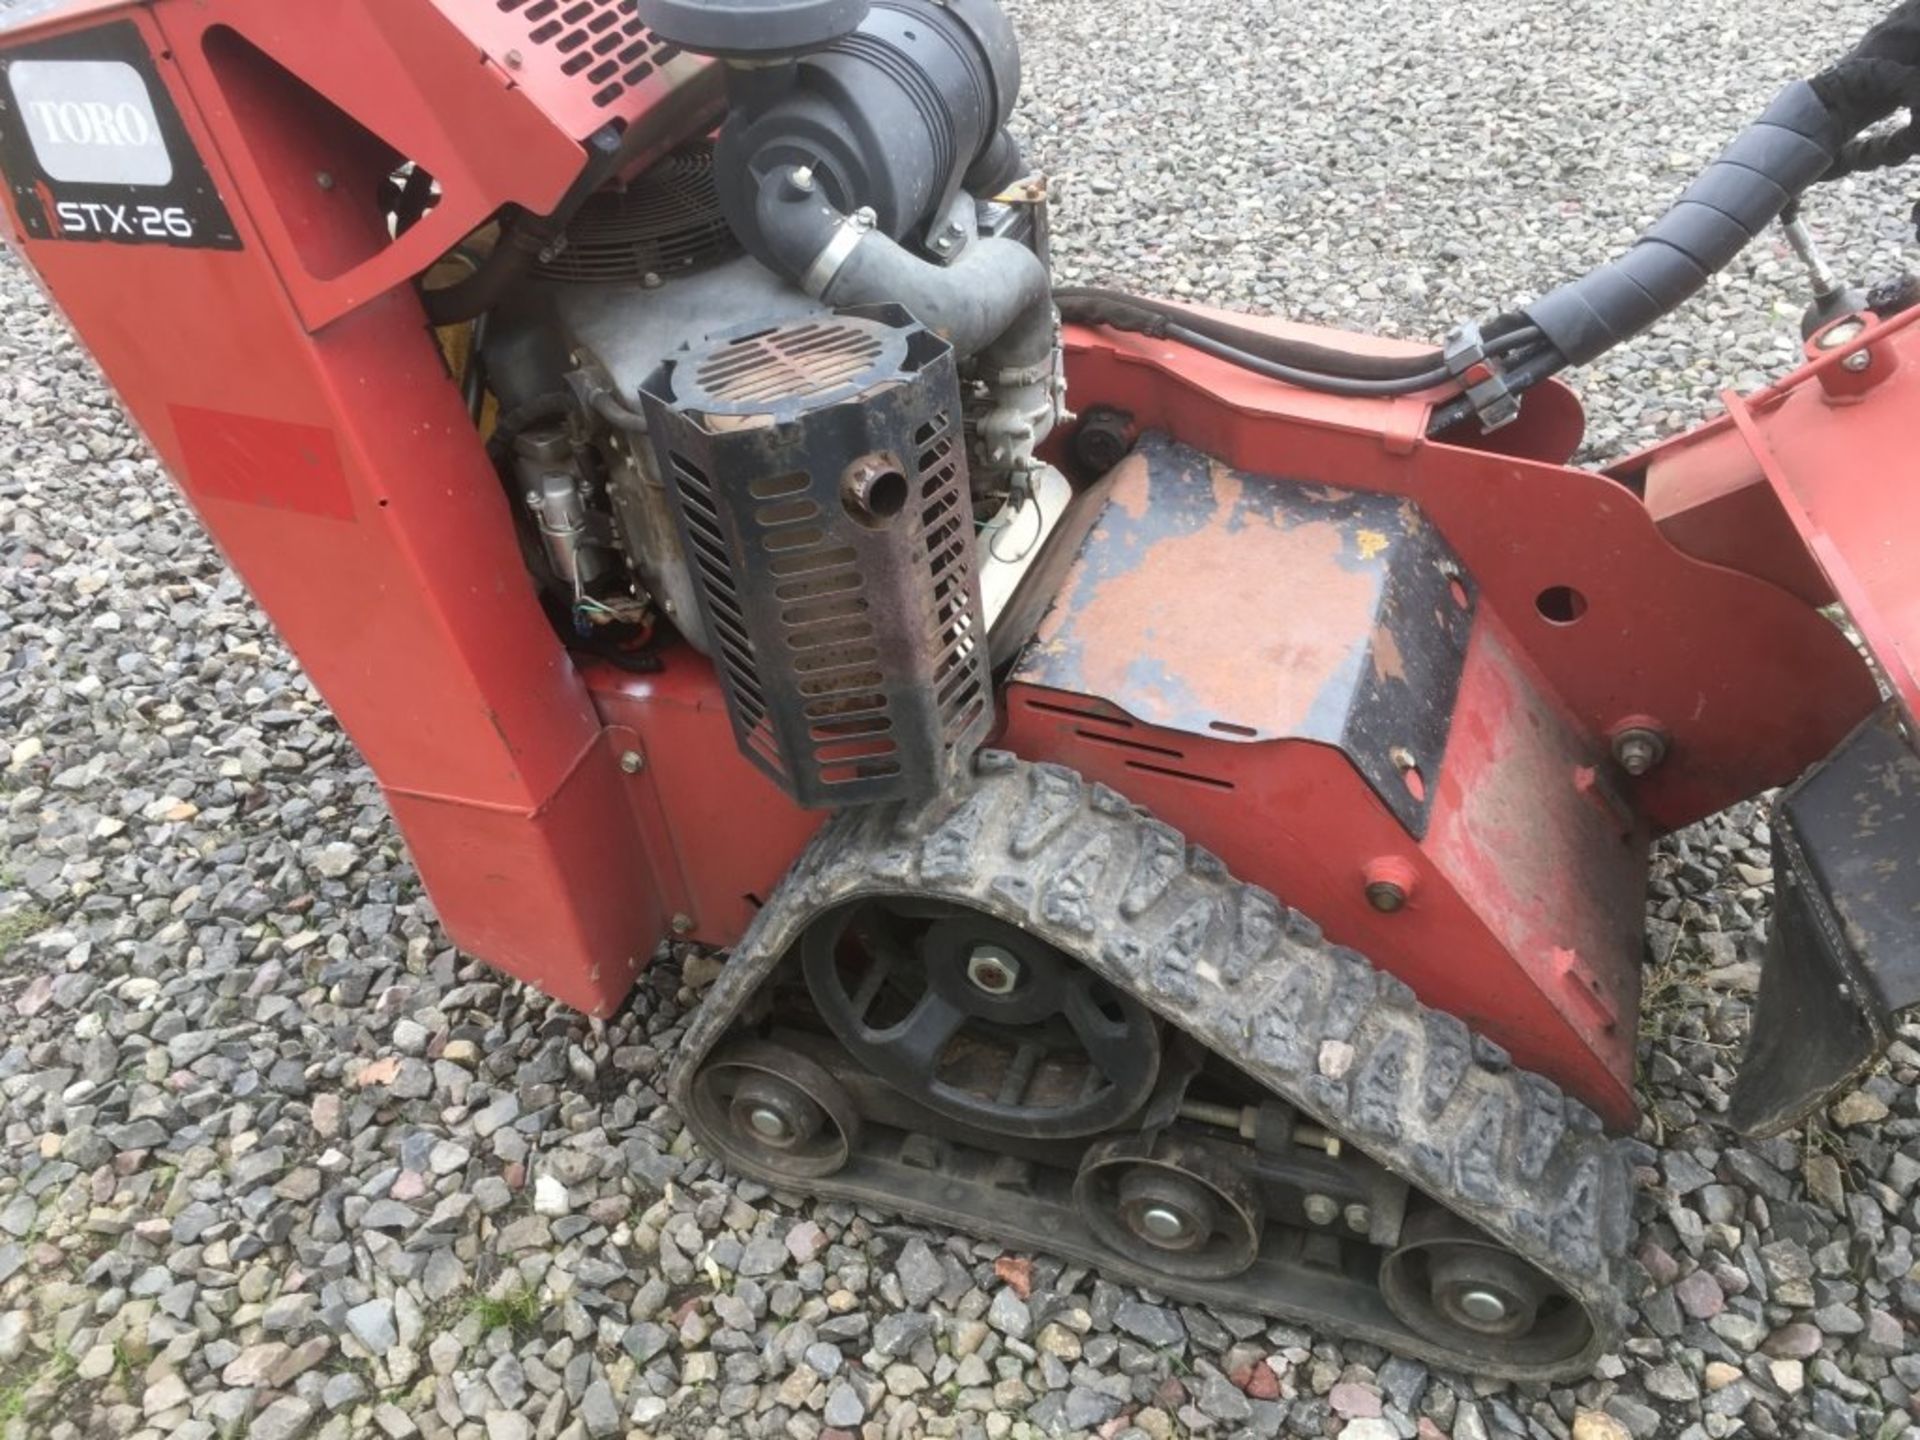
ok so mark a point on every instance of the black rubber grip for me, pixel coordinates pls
(1737, 197)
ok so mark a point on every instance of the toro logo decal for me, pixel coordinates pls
(93, 148)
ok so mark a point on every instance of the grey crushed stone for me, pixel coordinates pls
(252, 1101)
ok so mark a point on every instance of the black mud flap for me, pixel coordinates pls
(1844, 957)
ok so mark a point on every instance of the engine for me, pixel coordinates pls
(782, 391)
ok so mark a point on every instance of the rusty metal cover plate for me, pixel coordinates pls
(1245, 608)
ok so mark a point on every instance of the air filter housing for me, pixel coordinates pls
(818, 479)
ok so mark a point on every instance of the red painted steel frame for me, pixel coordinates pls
(313, 426)
(294, 388)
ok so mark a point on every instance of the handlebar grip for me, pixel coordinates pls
(1737, 197)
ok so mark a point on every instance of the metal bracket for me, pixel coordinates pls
(1494, 402)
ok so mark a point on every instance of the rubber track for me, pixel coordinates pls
(1348, 1045)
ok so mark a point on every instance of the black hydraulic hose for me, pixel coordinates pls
(1092, 305)
(1520, 339)
(1308, 379)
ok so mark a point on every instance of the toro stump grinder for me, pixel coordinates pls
(1177, 788)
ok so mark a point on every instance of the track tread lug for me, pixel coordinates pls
(1541, 1124)
(1449, 1055)
(1053, 800)
(1016, 890)
(1161, 858)
(1181, 948)
(1478, 1160)
(1351, 995)
(1258, 923)
(951, 851)
(1377, 1086)
(1067, 894)
(1285, 1036)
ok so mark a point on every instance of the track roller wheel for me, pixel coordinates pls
(776, 1109)
(1447, 1281)
(1175, 1205)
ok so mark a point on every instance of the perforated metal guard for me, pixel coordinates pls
(603, 41)
(817, 478)
(590, 63)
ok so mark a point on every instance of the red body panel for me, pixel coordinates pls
(1815, 482)
(294, 388)
(1523, 912)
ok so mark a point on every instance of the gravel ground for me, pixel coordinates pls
(279, 1163)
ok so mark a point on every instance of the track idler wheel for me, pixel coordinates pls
(1175, 1205)
(1449, 1282)
(774, 1108)
(979, 1020)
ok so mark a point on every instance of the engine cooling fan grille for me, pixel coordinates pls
(667, 221)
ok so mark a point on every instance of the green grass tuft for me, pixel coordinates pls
(516, 1310)
(19, 926)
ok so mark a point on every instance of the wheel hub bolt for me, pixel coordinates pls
(1483, 1306)
(1163, 1223)
(993, 970)
(768, 1123)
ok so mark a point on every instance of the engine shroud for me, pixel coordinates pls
(817, 480)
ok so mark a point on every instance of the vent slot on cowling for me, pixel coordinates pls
(793, 362)
(602, 43)
(822, 495)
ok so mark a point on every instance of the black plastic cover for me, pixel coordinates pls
(894, 116)
(1844, 955)
(751, 29)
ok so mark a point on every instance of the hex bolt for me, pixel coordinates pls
(633, 762)
(1858, 362)
(993, 970)
(1385, 896)
(801, 178)
(1314, 1138)
(1321, 1209)
(681, 924)
(1639, 749)
(1389, 882)
(1359, 1219)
